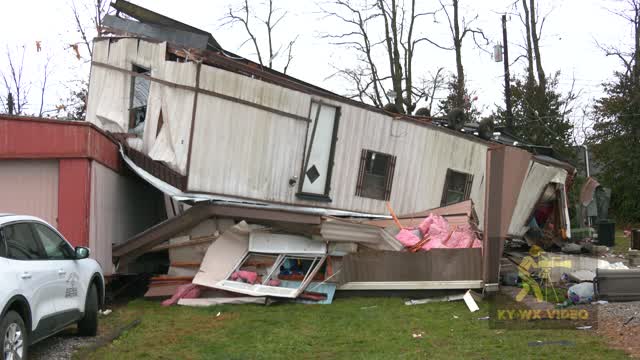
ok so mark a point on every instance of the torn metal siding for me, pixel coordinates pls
(293, 213)
(537, 178)
(259, 151)
(30, 187)
(110, 94)
(333, 230)
(244, 150)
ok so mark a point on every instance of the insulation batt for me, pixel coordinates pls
(441, 236)
(247, 276)
(187, 291)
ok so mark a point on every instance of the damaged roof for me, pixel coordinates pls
(147, 16)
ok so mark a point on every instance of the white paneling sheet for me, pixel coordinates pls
(264, 242)
(30, 187)
(537, 179)
(121, 207)
(110, 97)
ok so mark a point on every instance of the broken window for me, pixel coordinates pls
(276, 265)
(375, 176)
(319, 152)
(457, 187)
(263, 274)
(139, 98)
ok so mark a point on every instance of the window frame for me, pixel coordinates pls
(466, 194)
(306, 154)
(134, 69)
(41, 249)
(389, 175)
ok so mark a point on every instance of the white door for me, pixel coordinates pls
(36, 279)
(61, 256)
(318, 159)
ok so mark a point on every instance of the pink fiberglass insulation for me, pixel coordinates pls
(247, 276)
(440, 234)
(407, 237)
(187, 291)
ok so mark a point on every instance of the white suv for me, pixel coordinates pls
(45, 285)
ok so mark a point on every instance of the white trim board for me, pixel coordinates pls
(412, 285)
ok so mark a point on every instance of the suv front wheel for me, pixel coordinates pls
(88, 326)
(14, 337)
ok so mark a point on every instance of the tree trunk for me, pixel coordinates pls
(542, 82)
(457, 41)
(397, 80)
(527, 26)
(408, 62)
(636, 25)
(388, 41)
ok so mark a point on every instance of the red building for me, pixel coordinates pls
(70, 174)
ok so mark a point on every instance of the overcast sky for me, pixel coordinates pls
(568, 42)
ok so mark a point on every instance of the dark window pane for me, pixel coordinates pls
(377, 163)
(3, 248)
(457, 182)
(140, 96)
(374, 179)
(54, 246)
(454, 197)
(457, 187)
(21, 244)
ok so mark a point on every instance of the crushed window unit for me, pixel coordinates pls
(139, 99)
(319, 152)
(375, 176)
(457, 187)
(263, 274)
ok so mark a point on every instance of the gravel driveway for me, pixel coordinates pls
(61, 346)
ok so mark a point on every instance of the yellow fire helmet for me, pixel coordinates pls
(535, 250)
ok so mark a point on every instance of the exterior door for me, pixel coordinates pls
(61, 256)
(37, 279)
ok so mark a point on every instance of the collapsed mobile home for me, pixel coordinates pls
(310, 172)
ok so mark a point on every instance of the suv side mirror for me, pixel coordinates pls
(82, 253)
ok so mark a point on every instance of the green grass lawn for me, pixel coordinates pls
(622, 243)
(357, 328)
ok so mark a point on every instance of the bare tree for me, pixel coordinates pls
(16, 86)
(88, 22)
(396, 21)
(460, 28)
(529, 47)
(46, 71)
(535, 39)
(243, 15)
(630, 59)
(436, 83)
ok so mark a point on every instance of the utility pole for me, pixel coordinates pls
(507, 82)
